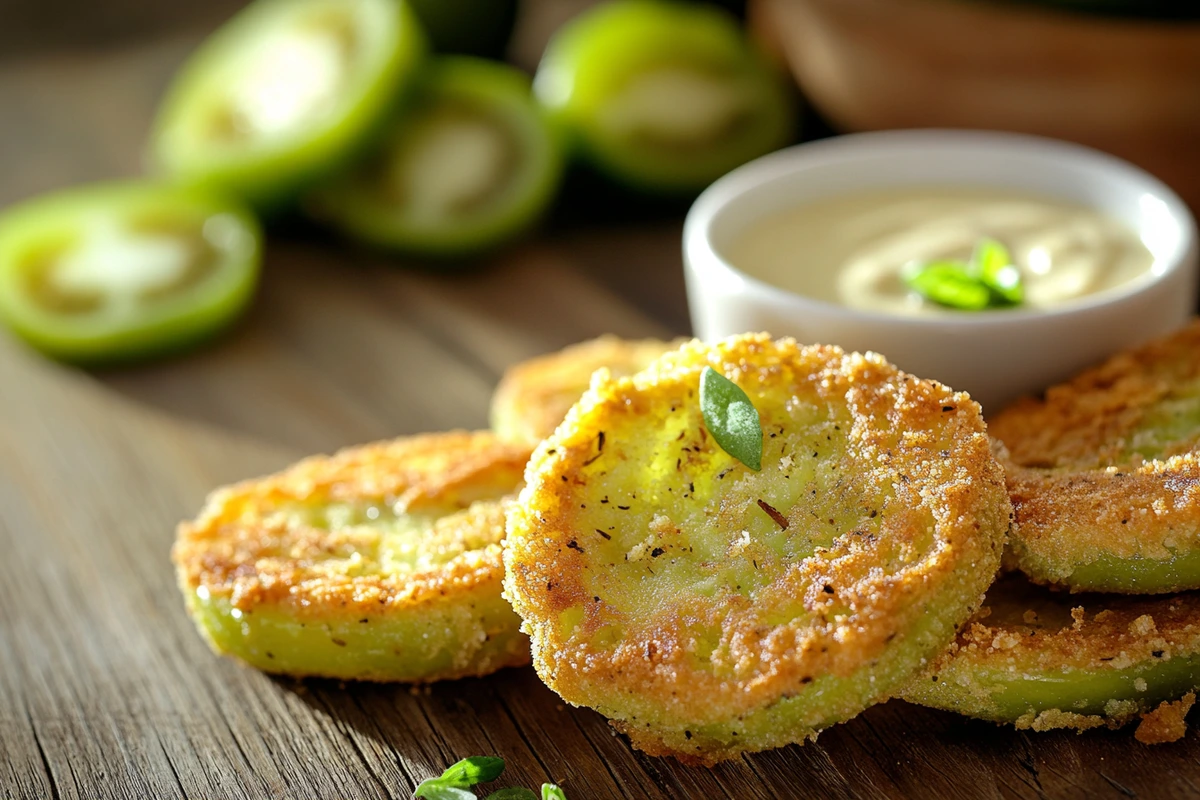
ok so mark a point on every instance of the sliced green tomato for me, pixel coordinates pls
(473, 164)
(115, 272)
(664, 96)
(1108, 572)
(285, 93)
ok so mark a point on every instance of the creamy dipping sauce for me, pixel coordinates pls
(854, 250)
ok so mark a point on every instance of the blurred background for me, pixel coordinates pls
(1121, 75)
(82, 83)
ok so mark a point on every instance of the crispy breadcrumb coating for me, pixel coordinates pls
(1167, 723)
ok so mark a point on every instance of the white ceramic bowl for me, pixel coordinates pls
(997, 355)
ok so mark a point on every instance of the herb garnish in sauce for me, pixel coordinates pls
(988, 280)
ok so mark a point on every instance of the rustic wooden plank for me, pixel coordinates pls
(100, 717)
(531, 299)
(25, 770)
(644, 265)
(375, 389)
(79, 710)
(80, 116)
(811, 771)
(68, 25)
(551, 730)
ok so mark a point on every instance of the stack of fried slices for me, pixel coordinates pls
(709, 607)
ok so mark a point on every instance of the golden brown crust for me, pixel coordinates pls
(246, 547)
(1089, 422)
(1167, 723)
(904, 500)
(534, 396)
(1104, 467)
(1026, 628)
(1150, 510)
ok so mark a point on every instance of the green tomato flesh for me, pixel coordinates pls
(663, 96)
(115, 272)
(1108, 572)
(471, 165)
(285, 93)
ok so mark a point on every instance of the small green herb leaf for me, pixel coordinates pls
(431, 789)
(512, 793)
(993, 265)
(989, 256)
(731, 419)
(552, 792)
(988, 280)
(453, 783)
(473, 770)
(949, 284)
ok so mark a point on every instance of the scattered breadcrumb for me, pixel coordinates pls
(1053, 719)
(1165, 723)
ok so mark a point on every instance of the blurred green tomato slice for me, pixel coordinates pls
(472, 164)
(118, 272)
(286, 92)
(664, 96)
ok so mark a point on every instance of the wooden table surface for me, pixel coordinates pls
(105, 688)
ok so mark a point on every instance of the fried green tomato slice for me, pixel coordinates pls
(711, 610)
(1104, 474)
(1041, 660)
(534, 396)
(379, 563)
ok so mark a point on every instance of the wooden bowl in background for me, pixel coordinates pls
(1130, 87)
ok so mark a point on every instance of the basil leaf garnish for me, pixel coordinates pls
(988, 280)
(949, 284)
(473, 770)
(731, 418)
(992, 263)
(454, 782)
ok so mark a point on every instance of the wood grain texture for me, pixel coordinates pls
(106, 691)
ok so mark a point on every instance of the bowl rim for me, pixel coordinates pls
(709, 268)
